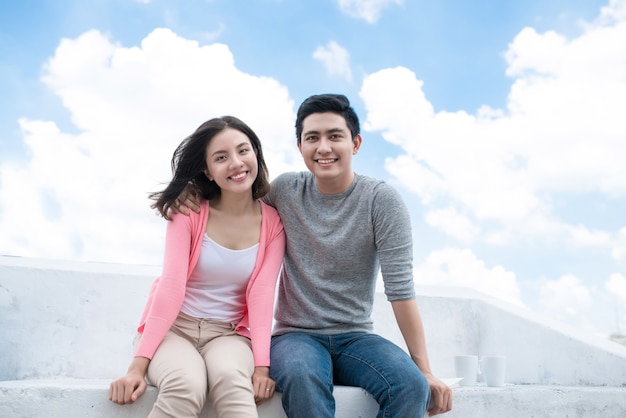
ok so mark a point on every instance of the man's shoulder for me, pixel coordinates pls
(268, 210)
(374, 184)
(382, 194)
(290, 180)
(291, 175)
(363, 179)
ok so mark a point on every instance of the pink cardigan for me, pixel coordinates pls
(182, 248)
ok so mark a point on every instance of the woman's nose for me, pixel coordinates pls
(235, 161)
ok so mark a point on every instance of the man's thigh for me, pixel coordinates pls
(296, 356)
(372, 362)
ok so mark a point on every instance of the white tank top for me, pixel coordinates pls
(217, 286)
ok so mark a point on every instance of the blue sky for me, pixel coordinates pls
(499, 122)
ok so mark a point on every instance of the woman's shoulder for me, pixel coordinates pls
(192, 216)
(268, 210)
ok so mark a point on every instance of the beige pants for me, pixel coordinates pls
(199, 356)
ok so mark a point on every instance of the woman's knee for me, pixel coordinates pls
(184, 380)
(229, 371)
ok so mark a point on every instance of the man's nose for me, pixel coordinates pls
(324, 146)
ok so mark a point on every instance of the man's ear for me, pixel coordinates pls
(356, 143)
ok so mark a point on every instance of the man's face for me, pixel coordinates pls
(327, 148)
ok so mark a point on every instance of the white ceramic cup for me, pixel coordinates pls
(466, 367)
(493, 370)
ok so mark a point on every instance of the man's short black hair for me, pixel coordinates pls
(322, 103)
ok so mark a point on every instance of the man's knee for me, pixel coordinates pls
(414, 386)
(297, 359)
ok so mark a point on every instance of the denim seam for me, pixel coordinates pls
(377, 372)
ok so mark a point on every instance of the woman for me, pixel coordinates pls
(207, 323)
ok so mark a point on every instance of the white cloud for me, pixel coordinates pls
(336, 60)
(570, 95)
(461, 267)
(210, 36)
(368, 10)
(456, 154)
(84, 195)
(619, 250)
(566, 299)
(562, 133)
(616, 285)
(453, 223)
(614, 12)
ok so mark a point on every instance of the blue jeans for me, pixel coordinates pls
(306, 366)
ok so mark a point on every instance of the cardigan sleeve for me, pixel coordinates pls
(168, 291)
(260, 298)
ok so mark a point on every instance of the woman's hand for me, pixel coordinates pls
(262, 384)
(129, 388)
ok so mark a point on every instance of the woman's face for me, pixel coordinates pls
(231, 161)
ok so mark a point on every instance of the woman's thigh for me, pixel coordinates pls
(178, 362)
(228, 355)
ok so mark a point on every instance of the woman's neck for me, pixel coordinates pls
(234, 204)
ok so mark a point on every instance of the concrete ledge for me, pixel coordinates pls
(66, 330)
(89, 399)
(524, 401)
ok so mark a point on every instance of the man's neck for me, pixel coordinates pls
(334, 186)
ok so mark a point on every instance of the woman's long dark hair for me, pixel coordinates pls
(189, 165)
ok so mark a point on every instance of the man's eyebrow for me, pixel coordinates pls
(332, 130)
(310, 132)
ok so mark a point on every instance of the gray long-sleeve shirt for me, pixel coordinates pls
(336, 245)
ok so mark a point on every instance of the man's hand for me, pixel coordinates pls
(440, 396)
(262, 384)
(188, 199)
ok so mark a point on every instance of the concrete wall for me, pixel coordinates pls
(77, 320)
(66, 331)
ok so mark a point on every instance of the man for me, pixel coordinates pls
(341, 230)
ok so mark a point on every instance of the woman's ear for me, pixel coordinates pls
(208, 175)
